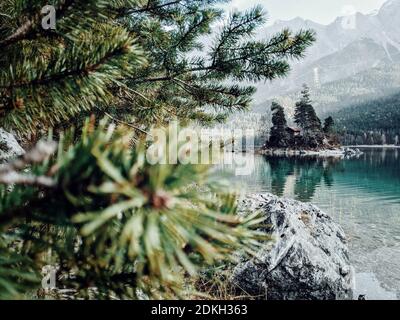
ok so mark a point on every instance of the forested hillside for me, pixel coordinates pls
(372, 122)
(333, 96)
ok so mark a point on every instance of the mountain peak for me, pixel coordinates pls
(345, 47)
(390, 5)
(296, 20)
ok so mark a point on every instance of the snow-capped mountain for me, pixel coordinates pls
(346, 47)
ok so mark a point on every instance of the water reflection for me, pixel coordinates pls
(300, 176)
(362, 194)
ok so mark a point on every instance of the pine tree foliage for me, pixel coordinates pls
(17, 274)
(279, 136)
(329, 125)
(301, 109)
(96, 60)
(196, 72)
(306, 118)
(50, 76)
(311, 136)
(114, 225)
(127, 225)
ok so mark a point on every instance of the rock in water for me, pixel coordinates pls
(308, 258)
(9, 146)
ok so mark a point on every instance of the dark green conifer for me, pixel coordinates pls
(329, 125)
(279, 136)
(116, 226)
(307, 119)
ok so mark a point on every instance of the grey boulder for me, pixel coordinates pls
(308, 258)
(9, 146)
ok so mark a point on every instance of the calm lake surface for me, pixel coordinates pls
(362, 194)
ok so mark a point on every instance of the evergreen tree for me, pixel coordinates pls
(314, 123)
(90, 204)
(110, 220)
(301, 110)
(330, 132)
(279, 136)
(307, 119)
(189, 79)
(142, 60)
(51, 76)
(329, 125)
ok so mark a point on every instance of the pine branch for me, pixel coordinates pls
(127, 124)
(26, 29)
(149, 8)
(84, 70)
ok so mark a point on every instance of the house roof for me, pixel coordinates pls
(294, 129)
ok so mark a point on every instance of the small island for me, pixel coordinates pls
(308, 136)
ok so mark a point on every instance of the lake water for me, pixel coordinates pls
(362, 194)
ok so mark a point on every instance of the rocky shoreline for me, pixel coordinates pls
(308, 258)
(339, 152)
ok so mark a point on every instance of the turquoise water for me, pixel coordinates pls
(362, 194)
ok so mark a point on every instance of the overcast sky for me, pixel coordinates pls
(322, 11)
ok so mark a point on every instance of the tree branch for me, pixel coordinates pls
(126, 123)
(29, 26)
(150, 9)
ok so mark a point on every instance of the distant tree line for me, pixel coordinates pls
(373, 122)
(309, 133)
(379, 137)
